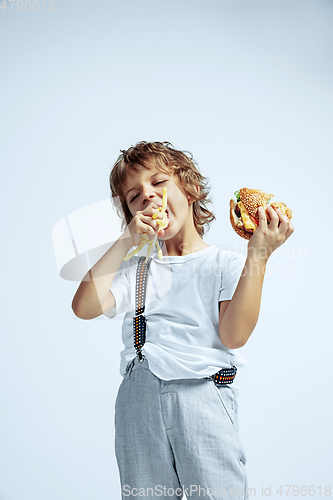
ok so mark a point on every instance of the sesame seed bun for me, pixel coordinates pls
(252, 199)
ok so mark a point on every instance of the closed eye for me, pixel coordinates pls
(156, 183)
(133, 198)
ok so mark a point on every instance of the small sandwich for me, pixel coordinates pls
(244, 215)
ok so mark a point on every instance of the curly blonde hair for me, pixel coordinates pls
(168, 160)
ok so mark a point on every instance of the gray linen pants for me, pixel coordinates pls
(176, 437)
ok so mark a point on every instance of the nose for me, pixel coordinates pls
(148, 195)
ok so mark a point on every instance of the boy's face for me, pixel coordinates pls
(146, 186)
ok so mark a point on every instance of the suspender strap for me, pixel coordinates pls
(139, 320)
(224, 376)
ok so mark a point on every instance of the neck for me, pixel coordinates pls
(173, 248)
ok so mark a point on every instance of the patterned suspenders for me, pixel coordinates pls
(224, 376)
(139, 320)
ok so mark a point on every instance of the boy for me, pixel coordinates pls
(176, 429)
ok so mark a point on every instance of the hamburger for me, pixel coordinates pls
(244, 214)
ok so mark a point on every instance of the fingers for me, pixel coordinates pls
(285, 226)
(262, 218)
(145, 224)
(148, 223)
(290, 229)
(152, 223)
(278, 220)
(275, 219)
(270, 237)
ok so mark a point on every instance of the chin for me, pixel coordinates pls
(168, 235)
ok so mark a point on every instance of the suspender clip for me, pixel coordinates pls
(139, 355)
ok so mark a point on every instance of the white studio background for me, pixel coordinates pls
(246, 86)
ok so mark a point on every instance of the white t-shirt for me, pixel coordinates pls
(182, 312)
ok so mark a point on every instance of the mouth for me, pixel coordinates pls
(166, 211)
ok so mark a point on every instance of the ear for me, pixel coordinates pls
(191, 200)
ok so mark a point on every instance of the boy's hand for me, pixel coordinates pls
(268, 238)
(143, 222)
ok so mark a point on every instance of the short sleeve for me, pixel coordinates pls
(230, 275)
(120, 289)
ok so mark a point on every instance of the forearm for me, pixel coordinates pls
(94, 288)
(241, 316)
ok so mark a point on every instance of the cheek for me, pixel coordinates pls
(182, 205)
(133, 207)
